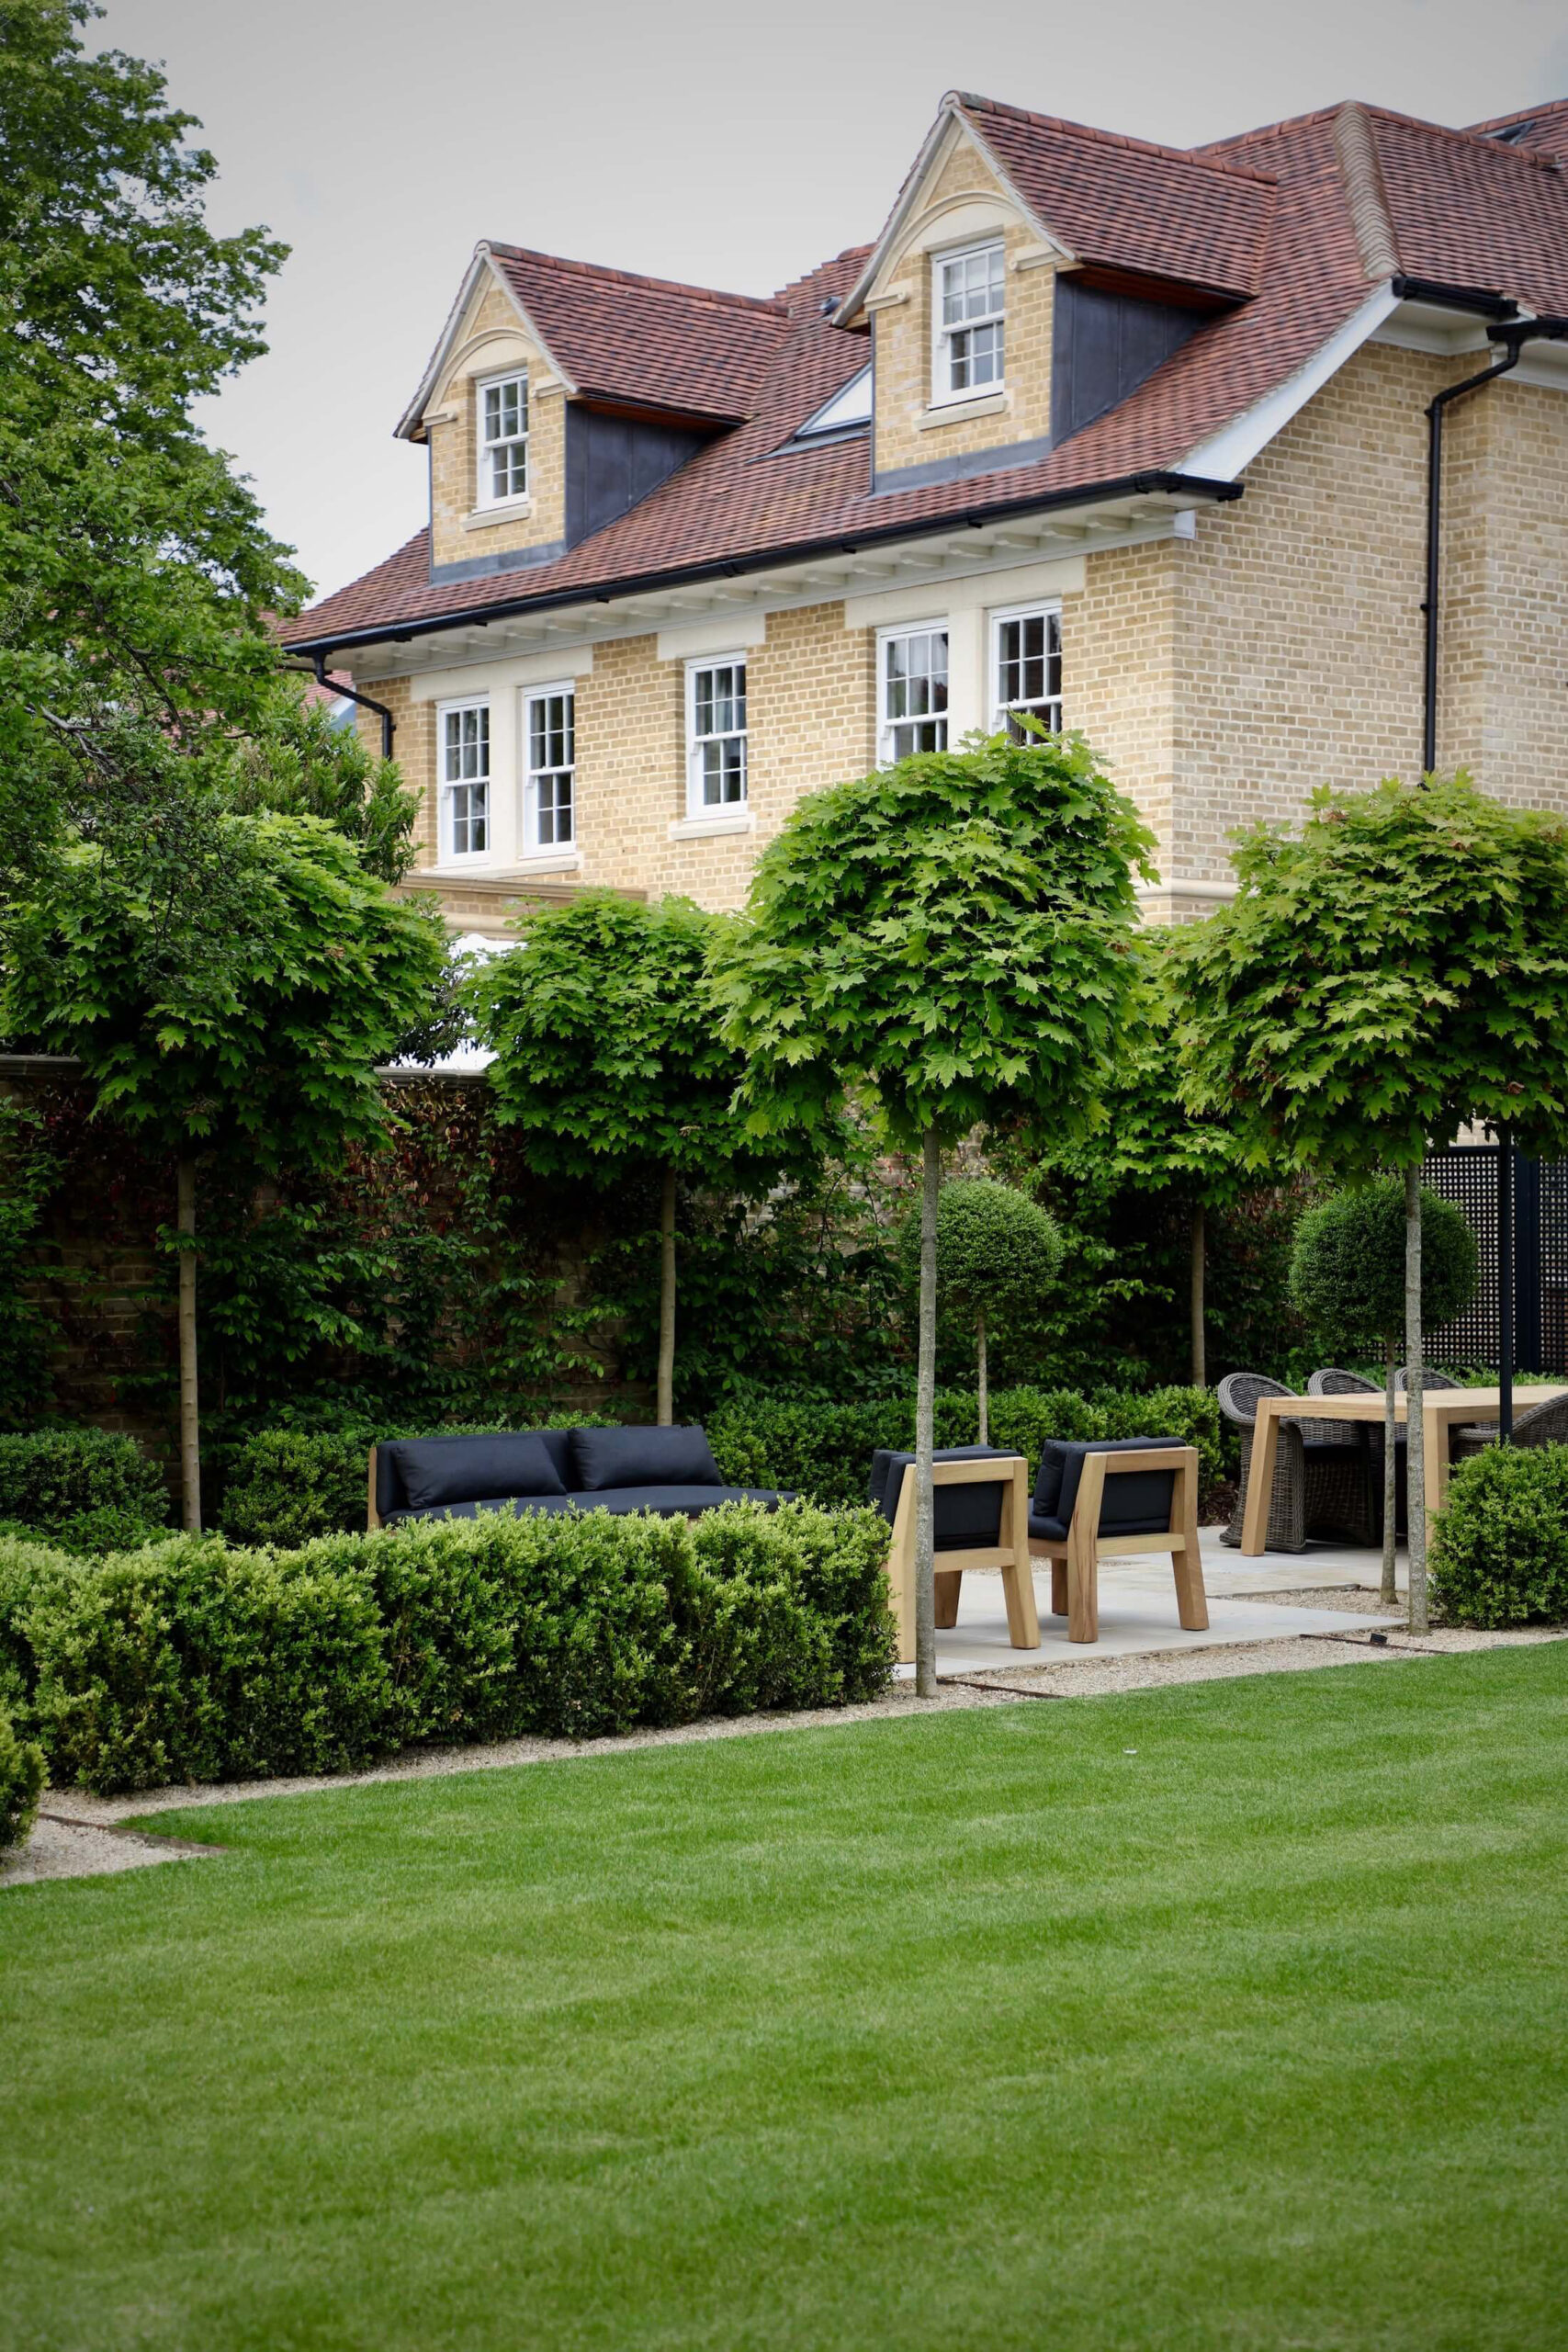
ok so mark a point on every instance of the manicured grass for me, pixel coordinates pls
(971, 2032)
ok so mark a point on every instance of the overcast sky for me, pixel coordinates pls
(733, 145)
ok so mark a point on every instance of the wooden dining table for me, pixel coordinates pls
(1441, 1410)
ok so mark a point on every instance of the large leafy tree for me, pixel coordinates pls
(1396, 970)
(1347, 1282)
(244, 1025)
(944, 943)
(138, 581)
(611, 1062)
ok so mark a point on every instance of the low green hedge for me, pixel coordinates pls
(825, 1449)
(82, 1489)
(1501, 1554)
(287, 1485)
(21, 1778)
(194, 1659)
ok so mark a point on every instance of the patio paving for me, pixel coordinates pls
(1137, 1607)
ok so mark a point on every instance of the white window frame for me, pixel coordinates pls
(564, 689)
(886, 724)
(485, 492)
(449, 786)
(1050, 612)
(696, 744)
(944, 391)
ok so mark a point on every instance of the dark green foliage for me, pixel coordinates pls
(82, 1489)
(994, 1247)
(824, 1450)
(21, 1780)
(1347, 1265)
(198, 1660)
(28, 1173)
(1501, 1554)
(299, 762)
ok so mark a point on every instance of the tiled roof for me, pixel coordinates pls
(1352, 196)
(1543, 130)
(1154, 211)
(622, 337)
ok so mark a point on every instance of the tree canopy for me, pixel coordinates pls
(1393, 971)
(949, 941)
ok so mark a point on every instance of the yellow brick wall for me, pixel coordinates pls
(1119, 640)
(414, 748)
(453, 441)
(903, 337)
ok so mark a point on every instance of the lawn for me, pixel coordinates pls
(973, 2030)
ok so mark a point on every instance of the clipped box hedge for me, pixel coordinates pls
(1500, 1556)
(82, 1489)
(21, 1780)
(197, 1659)
(825, 1449)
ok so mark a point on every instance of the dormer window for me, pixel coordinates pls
(504, 439)
(968, 322)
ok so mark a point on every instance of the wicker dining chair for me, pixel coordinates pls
(1321, 1485)
(1485, 1430)
(1542, 1425)
(1332, 1380)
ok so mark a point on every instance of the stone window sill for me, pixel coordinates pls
(514, 510)
(701, 829)
(955, 411)
(550, 860)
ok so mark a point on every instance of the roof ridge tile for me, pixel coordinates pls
(605, 274)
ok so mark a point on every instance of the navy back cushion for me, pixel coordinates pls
(642, 1457)
(1138, 1504)
(968, 1519)
(436, 1470)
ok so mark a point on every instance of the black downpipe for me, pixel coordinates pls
(1506, 1284)
(1434, 537)
(318, 670)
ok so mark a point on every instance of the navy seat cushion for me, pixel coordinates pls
(670, 1502)
(432, 1470)
(641, 1456)
(967, 1517)
(1138, 1504)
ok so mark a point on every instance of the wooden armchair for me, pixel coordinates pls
(974, 1530)
(1129, 1495)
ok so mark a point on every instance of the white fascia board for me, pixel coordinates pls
(483, 260)
(1229, 451)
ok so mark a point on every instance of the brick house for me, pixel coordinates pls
(1130, 436)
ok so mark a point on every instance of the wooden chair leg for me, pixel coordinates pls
(1192, 1601)
(1083, 1587)
(1058, 1587)
(1018, 1591)
(949, 1583)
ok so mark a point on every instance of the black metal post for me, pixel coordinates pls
(1505, 1285)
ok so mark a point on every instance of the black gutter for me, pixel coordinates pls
(1473, 299)
(802, 552)
(318, 670)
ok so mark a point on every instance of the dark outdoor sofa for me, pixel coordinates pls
(670, 1471)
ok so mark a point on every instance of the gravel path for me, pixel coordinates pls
(80, 1835)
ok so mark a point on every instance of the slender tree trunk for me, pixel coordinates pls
(666, 1300)
(925, 1433)
(982, 1385)
(1195, 1293)
(1389, 1591)
(190, 1411)
(1415, 1437)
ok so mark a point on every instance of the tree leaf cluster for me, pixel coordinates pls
(1347, 1265)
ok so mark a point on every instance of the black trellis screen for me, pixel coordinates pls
(1467, 1174)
